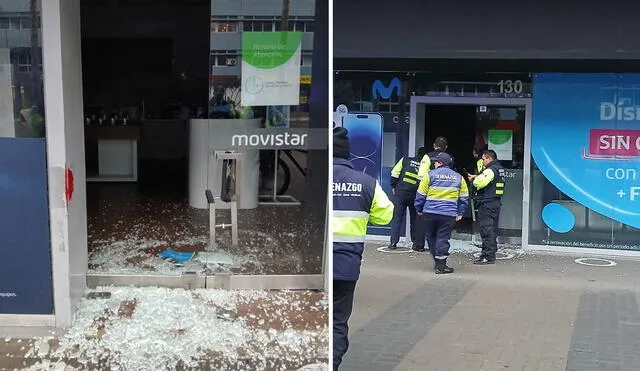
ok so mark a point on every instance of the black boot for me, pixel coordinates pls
(483, 260)
(442, 268)
(392, 246)
(418, 248)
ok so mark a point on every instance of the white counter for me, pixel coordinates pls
(205, 171)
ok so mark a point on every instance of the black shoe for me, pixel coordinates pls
(418, 248)
(392, 247)
(442, 268)
(483, 261)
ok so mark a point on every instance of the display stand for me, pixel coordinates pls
(274, 198)
(231, 175)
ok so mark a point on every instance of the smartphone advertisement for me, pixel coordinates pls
(365, 141)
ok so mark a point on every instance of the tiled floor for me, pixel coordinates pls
(526, 312)
(129, 224)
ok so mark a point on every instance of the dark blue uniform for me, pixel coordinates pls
(490, 188)
(442, 196)
(357, 200)
(404, 181)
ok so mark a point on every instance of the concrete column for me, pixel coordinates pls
(65, 150)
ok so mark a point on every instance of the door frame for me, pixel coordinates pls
(417, 114)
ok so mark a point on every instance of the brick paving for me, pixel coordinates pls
(529, 313)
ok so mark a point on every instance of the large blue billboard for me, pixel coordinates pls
(25, 253)
(585, 141)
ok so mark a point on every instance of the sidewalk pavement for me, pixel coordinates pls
(525, 313)
(126, 328)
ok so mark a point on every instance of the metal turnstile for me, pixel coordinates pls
(229, 192)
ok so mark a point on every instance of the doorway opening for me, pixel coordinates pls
(467, 122)
(144, 82)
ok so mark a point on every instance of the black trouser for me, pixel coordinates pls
(438, 229)
(401, 202)
(342, 306)
(420, 232)
(488, 214)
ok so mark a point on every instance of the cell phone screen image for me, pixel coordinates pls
(365, 141)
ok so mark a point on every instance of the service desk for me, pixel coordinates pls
(117, 152)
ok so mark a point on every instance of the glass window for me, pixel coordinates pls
(224, 26)
(14, 23)
(244, 88)
(584, 164)
(19, 84)
(25, 23)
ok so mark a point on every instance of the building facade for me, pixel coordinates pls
(557, 103)
(43, 219)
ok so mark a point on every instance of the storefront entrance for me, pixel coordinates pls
(501, 123)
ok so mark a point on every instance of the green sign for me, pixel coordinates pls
(271, 68)
(501, 141)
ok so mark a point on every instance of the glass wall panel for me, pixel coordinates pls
(25, 263)
(584, 161)
(21, 89)
(260, 82)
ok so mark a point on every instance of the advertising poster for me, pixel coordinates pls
(365, 142)
(585, 144)
(501, 141)
(271, 68)
(25, 256)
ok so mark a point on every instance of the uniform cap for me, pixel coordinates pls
(444, 158)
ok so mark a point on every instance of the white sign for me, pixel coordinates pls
(501, 141)
(271, 68)
(339, 114)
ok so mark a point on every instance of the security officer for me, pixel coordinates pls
(439, 145)
(357, 200)
(489, 187)
(443, 198)
(404, 183)
(478, 150)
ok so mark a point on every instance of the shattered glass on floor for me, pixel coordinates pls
(128, 230)
(174, 329)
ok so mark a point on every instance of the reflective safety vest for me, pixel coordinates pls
(357, 200)
(404, 176)
(490, 183)
(479, 166)
(426, 163)
(442, 191)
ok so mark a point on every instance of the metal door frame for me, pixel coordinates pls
(417, 114)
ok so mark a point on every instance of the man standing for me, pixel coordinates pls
(490, 188)
(478, 150)
(404, 183)
(357, 200)
(443, 198)
(439, 145)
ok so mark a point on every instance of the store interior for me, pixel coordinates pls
(464, 126)
(143, 81)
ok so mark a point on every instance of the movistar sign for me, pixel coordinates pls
(379, 90)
